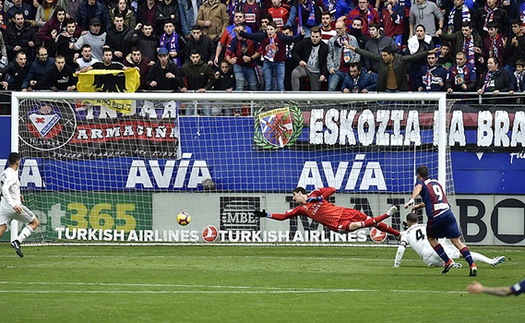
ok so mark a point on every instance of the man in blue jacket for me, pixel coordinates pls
(358, 80)
(36, 78)
(432, 76)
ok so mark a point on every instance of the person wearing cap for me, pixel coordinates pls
(89, 9)
(94, 38)
(164, 75)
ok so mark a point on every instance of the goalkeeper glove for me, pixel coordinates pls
(315, 199)
(262, 214)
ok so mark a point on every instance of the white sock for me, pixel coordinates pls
(479, 257)
(26, 232)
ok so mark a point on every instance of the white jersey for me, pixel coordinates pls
(415, 237)
(10, 186)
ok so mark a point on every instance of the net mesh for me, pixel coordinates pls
(92, 174)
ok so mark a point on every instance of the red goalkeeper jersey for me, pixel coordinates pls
(323, 212)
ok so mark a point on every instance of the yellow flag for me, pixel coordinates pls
(110, 81)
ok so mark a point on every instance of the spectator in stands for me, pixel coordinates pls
(253, 11)
(467, 41)
(375, 45)
(336, 8)
(273, 50)
(227, 36)
(461, 77)
(309, 11)
(115, 38)
(519, 77)
(141, 63)
(445, 59)
(36, 78)
(3, 52)
(340, 56)
(86, 58)
(515, 47)
(494, 80)
(393, 18)
(188, 15)
(431, 77)
(213, 18)
(61, 77)
(27, 11)
(310, 55)
(494, 45)
(425, 13)
(418, 43)
(289, 62)
(164, 75)
(107, 63)
(13, 75)
(127, 14)
(199, 76)
(143, 38)
(95, 38)
(457, 15)
(327, 26)
(20, 36)
(173, 42)
(279, 13)
(92, 9)
(492, 13)
(168, 10)
(366, 12)
(242, 55)
(51, 29)
(224, 79)
(356, 30)
(392, 75)
(65, 42)
(44, 12)
(358, 80)
(202, 43)
(146, 13)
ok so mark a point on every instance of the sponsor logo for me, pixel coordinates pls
(209, 233)
(278, 128)
(377, 235)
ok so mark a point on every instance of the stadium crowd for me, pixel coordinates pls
(353, 46)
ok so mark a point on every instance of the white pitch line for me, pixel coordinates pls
(194, 289)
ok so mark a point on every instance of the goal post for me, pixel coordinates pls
(93, 174)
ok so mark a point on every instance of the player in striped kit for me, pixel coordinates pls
(11, 207)
(415, 237)
(336, 218)
(441, 221)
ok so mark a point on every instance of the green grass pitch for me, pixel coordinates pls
(213, 283)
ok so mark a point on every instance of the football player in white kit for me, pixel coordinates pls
(415, 237)
(11, 207)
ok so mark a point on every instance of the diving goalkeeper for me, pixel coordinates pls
(336, 218)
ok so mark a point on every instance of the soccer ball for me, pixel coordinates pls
(183, 218)
(208, 184)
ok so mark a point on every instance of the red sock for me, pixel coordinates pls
(373, 221)
(386, 228)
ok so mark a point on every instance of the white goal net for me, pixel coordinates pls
(92, 174)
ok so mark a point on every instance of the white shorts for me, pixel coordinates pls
(436, 261)
(6, 215)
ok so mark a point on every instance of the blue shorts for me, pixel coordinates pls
(443, 226)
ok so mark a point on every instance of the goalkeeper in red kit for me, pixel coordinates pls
(336, 218)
